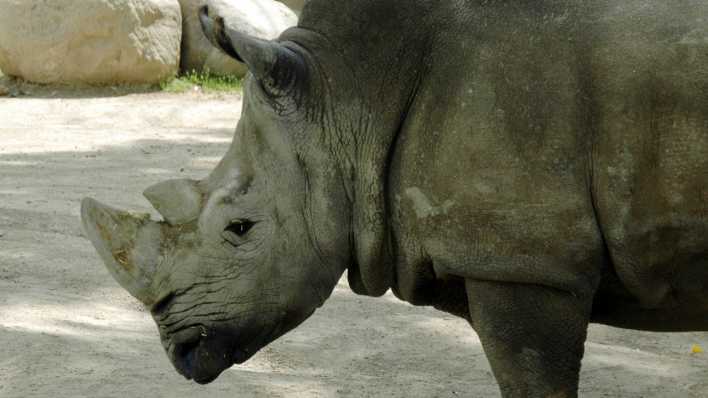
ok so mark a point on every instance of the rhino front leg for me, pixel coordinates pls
(532, 335)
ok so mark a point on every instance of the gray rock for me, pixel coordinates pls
(90, 41)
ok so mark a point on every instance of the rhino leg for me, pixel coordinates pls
(533, 336)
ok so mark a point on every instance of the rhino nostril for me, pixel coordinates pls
(161, 306)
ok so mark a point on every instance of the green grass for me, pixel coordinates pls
(203, 80)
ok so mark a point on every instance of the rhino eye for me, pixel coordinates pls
(239, 227)
(235, 231)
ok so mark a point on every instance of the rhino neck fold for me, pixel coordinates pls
(370, 105)
(373, 272)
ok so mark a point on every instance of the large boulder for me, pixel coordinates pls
(265, 19)
(90, 41)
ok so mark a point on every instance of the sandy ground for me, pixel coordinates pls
(68, 330)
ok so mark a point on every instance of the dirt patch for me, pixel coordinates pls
(68, 330)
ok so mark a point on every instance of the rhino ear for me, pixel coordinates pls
(277, 68)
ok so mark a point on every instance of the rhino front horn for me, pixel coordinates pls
(129, 245)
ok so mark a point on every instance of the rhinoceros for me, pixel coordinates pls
(530, 166)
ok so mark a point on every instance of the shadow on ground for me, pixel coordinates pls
(68, 330)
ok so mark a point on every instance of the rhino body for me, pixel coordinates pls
(529, 166)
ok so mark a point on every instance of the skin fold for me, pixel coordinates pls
(528, 166)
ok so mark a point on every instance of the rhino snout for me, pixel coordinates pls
(201, 353)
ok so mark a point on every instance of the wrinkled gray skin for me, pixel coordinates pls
(531, 166)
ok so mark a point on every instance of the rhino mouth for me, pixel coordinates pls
(201, 354)
(184, 358)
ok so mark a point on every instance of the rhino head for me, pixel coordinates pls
(248, 253)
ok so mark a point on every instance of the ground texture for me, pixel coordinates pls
(68, 330)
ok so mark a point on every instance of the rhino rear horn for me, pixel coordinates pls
(278, 68)
(178, 201)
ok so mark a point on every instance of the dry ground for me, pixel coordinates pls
(67, 330)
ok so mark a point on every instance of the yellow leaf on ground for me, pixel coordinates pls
(696, 349)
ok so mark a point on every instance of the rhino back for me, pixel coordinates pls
(546, 143)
